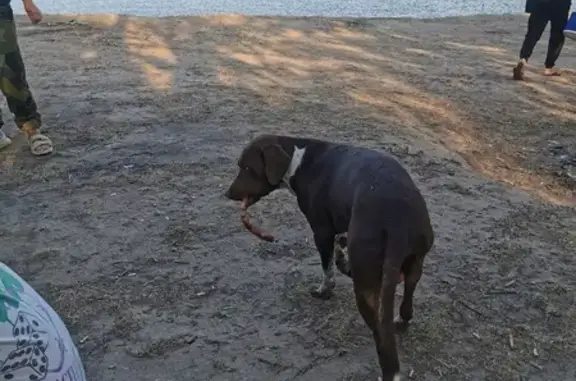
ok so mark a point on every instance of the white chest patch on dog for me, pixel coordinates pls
(295, 163)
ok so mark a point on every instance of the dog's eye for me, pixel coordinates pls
(250, 171)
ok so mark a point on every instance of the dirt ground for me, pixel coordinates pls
(125, 231)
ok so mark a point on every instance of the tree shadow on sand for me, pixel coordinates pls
(446, 91)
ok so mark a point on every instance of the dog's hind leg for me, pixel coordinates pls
(385, 333)
(367, 289)
(412, 269)
(341, 254)
(324, 241)
(368, 303)
(374, 289)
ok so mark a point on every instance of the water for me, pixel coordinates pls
(348, 8)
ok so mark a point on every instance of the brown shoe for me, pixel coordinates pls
(519, 70)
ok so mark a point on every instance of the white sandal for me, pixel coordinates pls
(40, 145)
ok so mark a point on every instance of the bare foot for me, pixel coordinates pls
(551, 72)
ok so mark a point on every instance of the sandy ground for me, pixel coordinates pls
(126, 233)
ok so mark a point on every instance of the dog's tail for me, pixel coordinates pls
(397, 249)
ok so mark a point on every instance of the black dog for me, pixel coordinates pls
(360, 199)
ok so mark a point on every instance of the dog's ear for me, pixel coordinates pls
(276, 163)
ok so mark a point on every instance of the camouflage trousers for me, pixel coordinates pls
(13, 82)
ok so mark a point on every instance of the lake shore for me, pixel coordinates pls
(325, 8)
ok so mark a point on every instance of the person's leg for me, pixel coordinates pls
(14, 86)
(18, 95)
(536, 24)
(6, 17)
(558, 20)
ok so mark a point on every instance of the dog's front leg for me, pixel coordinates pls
(324, 241)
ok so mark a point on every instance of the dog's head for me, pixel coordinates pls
(262, 166)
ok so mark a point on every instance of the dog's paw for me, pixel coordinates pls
(322, 293)
(401, 324)
(342, 263)
(396, 377)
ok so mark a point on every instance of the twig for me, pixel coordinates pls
(457, 276)
(473, 309)
(453, 367)
(304, 370)
(502, 292)
(307, 367)
(275, 364)
(535, 365)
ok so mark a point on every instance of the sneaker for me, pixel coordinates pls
(5, 141)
